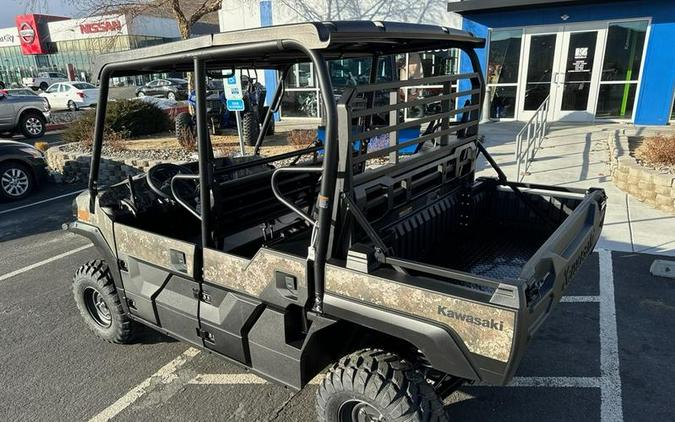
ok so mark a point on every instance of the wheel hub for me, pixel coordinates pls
(97, 308)
(14, 182)
(359, 411)
(34, 126)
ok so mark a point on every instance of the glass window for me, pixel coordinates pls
(615, 101)
(623, 53)
(504, 57)
(621, 69)
(83, 85)
(502, 102)
(672, 110)
(539, 70)
(301, 76)
(53, 88)
(300, 104)
(502, 72)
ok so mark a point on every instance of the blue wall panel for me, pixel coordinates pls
(270, 75)
(658, 80)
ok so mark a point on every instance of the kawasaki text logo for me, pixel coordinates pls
(470, 319)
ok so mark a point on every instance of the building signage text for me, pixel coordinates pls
(104, 26)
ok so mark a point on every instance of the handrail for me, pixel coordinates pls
(179, 199)
(535, 130)
(283, 200)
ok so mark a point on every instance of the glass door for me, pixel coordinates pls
(577, 75)
(542, 48)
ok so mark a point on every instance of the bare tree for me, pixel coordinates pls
(186, 12)
(425, 11)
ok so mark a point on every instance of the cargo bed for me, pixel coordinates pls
(497, 233)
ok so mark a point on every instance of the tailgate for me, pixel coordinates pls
(554, 265)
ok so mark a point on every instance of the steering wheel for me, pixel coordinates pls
(159, 179)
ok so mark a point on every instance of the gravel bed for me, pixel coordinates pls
(146, 154)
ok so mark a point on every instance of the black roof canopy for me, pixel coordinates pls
(270, 47)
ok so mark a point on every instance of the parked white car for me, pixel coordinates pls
(44, 80)
(71, 95)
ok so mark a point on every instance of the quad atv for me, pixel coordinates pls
(395, 280)
(220, 118)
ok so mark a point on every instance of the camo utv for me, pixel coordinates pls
(400, 275)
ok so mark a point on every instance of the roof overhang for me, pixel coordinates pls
(486, 6)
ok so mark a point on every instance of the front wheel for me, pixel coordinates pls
(99, 304)
(376, 385)
(16, 181)
(33, 124)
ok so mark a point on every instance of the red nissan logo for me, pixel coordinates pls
(27, 33)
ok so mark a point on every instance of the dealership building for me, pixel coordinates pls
(41, 43)
(595, 61)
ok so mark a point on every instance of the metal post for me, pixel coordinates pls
(202, 149)
(276, 101)
(98, 136)
(393, 120)
(325, 201)
(237, 114)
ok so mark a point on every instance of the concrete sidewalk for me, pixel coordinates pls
(576, 155)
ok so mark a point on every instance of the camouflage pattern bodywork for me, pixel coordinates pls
(253, 276)
(486, 330)
(98, 219)
(152, 248)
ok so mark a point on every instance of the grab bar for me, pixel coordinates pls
(282, 199)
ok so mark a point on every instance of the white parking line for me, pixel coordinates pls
(44, 262)
(611, 409)
(165, 375)
(41, 202)
(580, 299)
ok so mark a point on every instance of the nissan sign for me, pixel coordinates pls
(103, 26)
(33, 33)
(27, 33)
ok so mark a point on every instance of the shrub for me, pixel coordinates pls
(41, 145)
(657, 149)
(134, 118)
(301, 137)
(125, 119)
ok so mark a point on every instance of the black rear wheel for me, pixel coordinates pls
(99, 304)
(250, 127)
(376, 385)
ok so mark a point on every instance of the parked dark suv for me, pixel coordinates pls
(171, 88)
(22, 169)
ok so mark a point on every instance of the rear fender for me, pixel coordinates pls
(440, 348)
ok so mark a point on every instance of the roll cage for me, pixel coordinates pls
(279, 47)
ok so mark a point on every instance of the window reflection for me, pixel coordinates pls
(504, 57)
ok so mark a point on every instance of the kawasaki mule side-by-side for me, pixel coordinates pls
(400, 276)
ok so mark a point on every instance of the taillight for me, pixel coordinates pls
(80, 94)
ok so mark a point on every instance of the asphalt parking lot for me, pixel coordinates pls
(605, 355)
